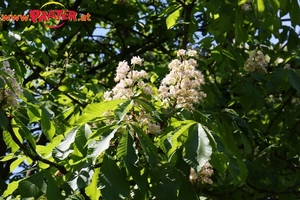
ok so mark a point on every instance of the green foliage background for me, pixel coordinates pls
(55, 145)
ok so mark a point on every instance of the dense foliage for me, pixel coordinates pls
(176, 99)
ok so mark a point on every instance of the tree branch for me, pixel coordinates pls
(33, 157)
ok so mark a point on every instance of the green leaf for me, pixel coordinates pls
(101, 131)
(242, 2)
(113, 180)
(177, 133)
(148, 147)
(123, 109)
(173, 17)
(46, 151)
(47, 124)
(94, 111)
(197, 149)
(294, 13)
(33, 112)
(52, 192)
(3, 120)
(220, 161)
(92, 190)
(238, 170)
(186, 190)
(260, 6)
(167, 184)
(32, 186)
(23, 131)
(81, 178)
(275, 5)
(12, 186)
(81, 138)
(126, 151)
(148, 107)
(240, 33)
(95, 148)
(63, 149)
(7, 157)
(10, 142)
(294, 80)
(16, 163)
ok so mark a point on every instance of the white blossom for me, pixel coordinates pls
(256, 62)
(136, 60)
(154, 128)
(192, 53)
(181, 52)
(247, 6)
(11, 92)
(182, 86)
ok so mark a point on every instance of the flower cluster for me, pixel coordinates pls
(146, 120)
(247, 6)
(126, 79)
(9, 95)
(256, 62)
(206, 172)
(203, 176)
(181, 87)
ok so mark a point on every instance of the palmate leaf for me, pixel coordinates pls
(113, 180)
(197, 149)
(82, 177)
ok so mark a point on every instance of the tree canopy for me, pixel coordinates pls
(148, 99)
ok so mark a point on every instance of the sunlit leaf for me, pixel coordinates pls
(173, 17)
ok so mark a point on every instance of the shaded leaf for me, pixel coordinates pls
(294, 80)
(197, 149)
(113, 180)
